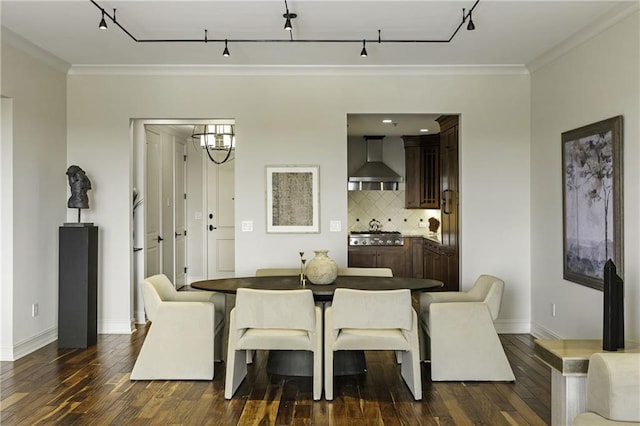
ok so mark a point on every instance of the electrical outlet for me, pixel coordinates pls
(553, 309)
(422, 224)
(34, 310)
(247, 226)
(335, 226)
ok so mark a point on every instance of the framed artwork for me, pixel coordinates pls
(293, 199)
(592, 201)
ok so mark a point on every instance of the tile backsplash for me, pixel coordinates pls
(387, 207)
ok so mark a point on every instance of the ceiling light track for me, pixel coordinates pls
(466, 15)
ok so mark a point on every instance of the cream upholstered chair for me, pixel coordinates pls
(459, 331)
(613, 390)
(362, 272)
(373, 320)
(273, 320)
(275, 272)
(366, 272)
(186, 333)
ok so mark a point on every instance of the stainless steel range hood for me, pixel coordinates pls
(374, 175)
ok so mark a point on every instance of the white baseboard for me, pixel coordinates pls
(540, 332)
(116, 327)
(512, 326)
(31, 344)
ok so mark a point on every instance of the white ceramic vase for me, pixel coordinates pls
(321, 269)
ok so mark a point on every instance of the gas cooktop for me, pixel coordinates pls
(376, 238)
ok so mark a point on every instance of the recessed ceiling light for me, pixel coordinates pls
(424, 130)
(387, 121)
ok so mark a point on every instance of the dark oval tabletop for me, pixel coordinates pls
(231, 285)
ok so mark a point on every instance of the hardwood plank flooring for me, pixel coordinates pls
(92, 386)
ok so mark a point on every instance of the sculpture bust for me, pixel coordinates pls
(80, 184)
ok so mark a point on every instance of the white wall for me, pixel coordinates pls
(34, 198)
(302, 120)
(595, 81)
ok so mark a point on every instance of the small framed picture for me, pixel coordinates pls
(293, 199)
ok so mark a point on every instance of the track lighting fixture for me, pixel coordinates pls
(363, 52)
(225, 52)
(103, 23)
(288, 17)
(470, 25)
(289, 27)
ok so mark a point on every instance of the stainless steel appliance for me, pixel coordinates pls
(376, 238)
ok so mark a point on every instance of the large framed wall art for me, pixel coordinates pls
(293, 199)
(592, 201)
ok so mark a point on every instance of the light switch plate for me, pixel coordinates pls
(335, 226)
(247, 226)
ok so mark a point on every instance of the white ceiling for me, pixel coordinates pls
(507, 32)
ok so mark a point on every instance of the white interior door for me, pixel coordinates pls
(153, 248)
(180, 191)
(220, 227)
(168, 205)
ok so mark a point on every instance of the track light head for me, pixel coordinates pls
(225, 52)
(288, 17)
(103, 23)
(470, 26)
(363, 52)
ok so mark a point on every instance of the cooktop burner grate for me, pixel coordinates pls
(376, 238)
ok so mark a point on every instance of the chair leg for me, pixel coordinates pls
(236, 371)
(317, 375)
(328, 354)
(410, 370)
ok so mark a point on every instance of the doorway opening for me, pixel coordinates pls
(184, 220)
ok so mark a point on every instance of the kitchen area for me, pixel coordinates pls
(403, 195)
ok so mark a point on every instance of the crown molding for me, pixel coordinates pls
(12, 39)
(613, 17)
(320, 70)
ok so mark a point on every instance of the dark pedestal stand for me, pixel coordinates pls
(613, 321)
(78, 286)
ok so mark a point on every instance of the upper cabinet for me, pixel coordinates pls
(422, 167)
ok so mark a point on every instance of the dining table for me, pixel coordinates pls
(300, 363)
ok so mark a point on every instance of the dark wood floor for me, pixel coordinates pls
(92, 386)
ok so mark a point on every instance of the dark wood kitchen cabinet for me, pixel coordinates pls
(422, 176)
(379, 257)
(441, 264)
(414, 266)
(449, 196)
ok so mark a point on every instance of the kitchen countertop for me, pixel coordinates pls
(416, 234)
(433, 238)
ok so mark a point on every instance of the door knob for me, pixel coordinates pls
(160, 238)
(211, 227)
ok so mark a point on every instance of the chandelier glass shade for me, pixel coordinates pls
(215, 139)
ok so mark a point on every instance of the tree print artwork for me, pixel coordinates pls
(589, 172)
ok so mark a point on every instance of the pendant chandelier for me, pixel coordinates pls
(217, 139)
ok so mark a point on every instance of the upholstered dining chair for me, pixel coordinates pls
(273, 320)
(366, 272)
(275, 272)
(186, 332)
(373, 320)
(459, 336)
(613, 390)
